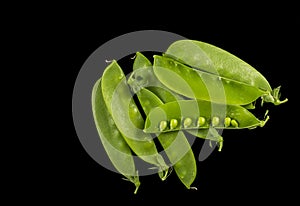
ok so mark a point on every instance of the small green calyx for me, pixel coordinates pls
(135, 180)
(263, 122)
(273, 97)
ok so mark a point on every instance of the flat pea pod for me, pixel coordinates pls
(250, 106)
(183, 109)
(202, 85)
(175, 143)
(209, 134)
(127, 117)
(212, 59)
(143, 77)
(113, 142)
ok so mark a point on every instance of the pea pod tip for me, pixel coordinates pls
(274, 97)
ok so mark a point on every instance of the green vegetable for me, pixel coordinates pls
(186, 110)
(143, 77)
(194, 88)
(116, 148)
(175, 144)
(127, 117)
(214, 60)
(197, 84)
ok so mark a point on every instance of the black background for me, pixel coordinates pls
(254, 166)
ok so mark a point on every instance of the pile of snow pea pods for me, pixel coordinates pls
(193, 88)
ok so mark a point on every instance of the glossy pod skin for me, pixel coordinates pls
(211, 59)
(194, 88)
(113, 142)
(184, 110)
(201, 85)
(209, 134)
(143, 77)
(127, 117)
(175, 144)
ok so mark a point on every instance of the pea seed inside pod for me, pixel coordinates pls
(215, 121)
(227, 121)
(242, 118)
(173, 123)
(234, 123)
(163, 125)
(187, 122)
(201, 121)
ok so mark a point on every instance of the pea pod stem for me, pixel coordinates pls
(135, 180)
(273, 97)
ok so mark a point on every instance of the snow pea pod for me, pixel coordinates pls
(185, 112)
(175, 143)
(202, 85)
(143, 77)
(212, 59)
(114, 144)
(127, 117)
(209, 134)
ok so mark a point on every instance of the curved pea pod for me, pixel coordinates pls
(143, 77)
(190, 112)
(114, 144)
(127, 117)
(175, 143)
(209, 134)
(202, 85)
(212, 59)
(250, 106)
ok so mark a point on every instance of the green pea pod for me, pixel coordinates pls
(175, 144)
(127, 117)
(209, 58)
(202, 85)
(209, 134)
(114, 144)
(143, 77)
(208, 115)
(250, 106)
